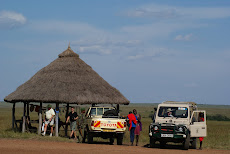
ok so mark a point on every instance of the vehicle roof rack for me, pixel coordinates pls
(174, 102)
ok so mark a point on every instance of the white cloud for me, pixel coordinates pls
(166, 12)
(139, 56)
(105, 41)
(152, 11)
(187, 37)
(94, 49)
(150, 53)
(105, 45)
(9, 19)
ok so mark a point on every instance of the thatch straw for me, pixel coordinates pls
(68, 79)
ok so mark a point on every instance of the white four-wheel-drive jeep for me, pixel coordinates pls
(178, 122)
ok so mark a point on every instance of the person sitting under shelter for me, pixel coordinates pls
(49, 119)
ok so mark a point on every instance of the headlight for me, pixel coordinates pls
(155, 128)
(180, 129)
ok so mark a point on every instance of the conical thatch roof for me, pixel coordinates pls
(68, 79)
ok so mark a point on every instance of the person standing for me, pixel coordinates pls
(154, 115)
(72, 116)
(132, 125)
(49, 119)
(138, 125)
(201, 119)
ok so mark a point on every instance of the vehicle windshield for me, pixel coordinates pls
(178, 112)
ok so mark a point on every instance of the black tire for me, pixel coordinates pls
(111, 113)
(152, 142)
(90, 138)
(162, 144)
(111, 141)
(119, 139)
(186, 142)
(193, 143)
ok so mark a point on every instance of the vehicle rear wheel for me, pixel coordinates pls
(90, 138)
(194, 143)
(152, 142)
(119, 139)
(162, 144)
(186, 142)
(111, 140)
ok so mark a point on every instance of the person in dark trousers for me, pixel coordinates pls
(72, 116)
(138, 126)
(132, 126)
(154, 115)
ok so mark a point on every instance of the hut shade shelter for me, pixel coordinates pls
(68, 79)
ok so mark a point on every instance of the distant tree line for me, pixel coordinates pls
(218, 117)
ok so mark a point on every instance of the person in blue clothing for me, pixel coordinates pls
(132, 126)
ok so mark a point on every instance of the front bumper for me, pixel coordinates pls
(159, 131)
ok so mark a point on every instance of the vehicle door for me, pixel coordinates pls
(198, 126)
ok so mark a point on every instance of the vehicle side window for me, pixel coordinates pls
(201, 117)
(195, 117)
(93, 111)
(99, 111)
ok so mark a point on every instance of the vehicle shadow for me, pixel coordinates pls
(106, 143)
(167, 146)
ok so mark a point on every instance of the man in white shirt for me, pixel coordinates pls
(49, 119)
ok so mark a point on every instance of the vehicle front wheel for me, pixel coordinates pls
(152, 142)
(162, 144)
(186, 142)
(194, 143)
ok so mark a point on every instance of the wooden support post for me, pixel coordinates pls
(27, 115)
(24, 119)
(13, 116)
(56, 119)
(28, 109)
(118, 109)
(40, 119)
(66, 116)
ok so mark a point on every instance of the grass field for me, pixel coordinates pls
(218, 131)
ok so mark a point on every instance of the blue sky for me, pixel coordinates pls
(152, 51)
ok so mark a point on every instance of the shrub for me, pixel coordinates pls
(218, 117)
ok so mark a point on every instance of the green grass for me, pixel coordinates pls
(218, 131)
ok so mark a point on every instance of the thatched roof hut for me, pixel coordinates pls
(68, 79)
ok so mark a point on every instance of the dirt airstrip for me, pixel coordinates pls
(34, 146)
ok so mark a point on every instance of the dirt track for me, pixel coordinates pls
(34, 146)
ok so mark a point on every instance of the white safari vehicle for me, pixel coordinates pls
(178, 122)
(104, 122)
